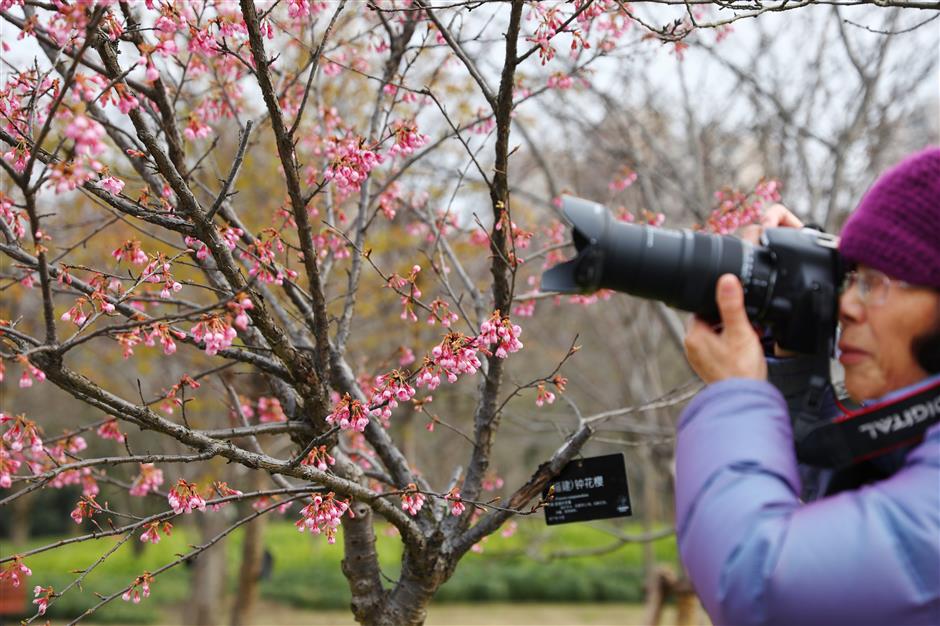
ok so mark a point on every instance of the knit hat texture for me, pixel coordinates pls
(896, 228)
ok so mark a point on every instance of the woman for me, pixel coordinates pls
(865, 555)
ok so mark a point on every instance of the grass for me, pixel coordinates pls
(306, 570)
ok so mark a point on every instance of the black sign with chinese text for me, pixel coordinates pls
(586, 489)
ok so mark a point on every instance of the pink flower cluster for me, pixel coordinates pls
(77, 315)
(349, 414)
(238, 307)
(110, 430)
(141, 587)
(152, 531)
(30, 373)
(350, 163)
(455, 355)
(216, 333)
(270, 410)
(457, 506)
(222, 490)
(130, 251)
(300, 9)
(184, 498)
(543, 396)
(262, 255)
(737, 208)
(440, 312)
(230, 237)
(412, 500)
(170, 398)
(319, 458)
(15, 572)
(549, 23)
(18, 156)
(86, 507)
(322, 515)
(43, 595)
(87, 135)
(23, 433)
(407, 288)
(502, 332)
(390, 389)
(111, 184)
(560, 80)
(16, 218)
(163, 332)
(388, 200)
(158, 271)
(627, 178)
(149, 479)
(407, 138)
(8, 465)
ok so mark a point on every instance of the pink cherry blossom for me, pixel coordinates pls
(43, 595)
(323, 515)
(184, 498)
(222, 490)
(500, 331)
(149, 479)
(412, 500)
(457, 506)
(217, 333)
(270, 410)
(319, 458)
(348, 414)
(86, 507)
(22, 434)
(112, 184)
(8, 465)
(407, 138)
(140, 588)
(543, 396)
(15, 572)
(350, 163)
(110, 430)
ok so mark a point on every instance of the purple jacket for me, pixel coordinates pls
(757, 555)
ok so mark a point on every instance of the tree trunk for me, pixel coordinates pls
(205, 605)
(249, 576)
(19, 518)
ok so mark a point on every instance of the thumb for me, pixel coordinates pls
(730, 297)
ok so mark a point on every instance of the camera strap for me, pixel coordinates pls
(871, 431)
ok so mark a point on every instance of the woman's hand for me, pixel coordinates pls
(734, 351)
(777, 216)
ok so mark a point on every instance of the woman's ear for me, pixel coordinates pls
(926, 348)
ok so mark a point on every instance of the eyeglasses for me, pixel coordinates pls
(873, 286)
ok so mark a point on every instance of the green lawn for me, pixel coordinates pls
(306, 572)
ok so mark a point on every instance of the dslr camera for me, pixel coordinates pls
(791, 280)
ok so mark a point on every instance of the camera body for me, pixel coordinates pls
(790, 281)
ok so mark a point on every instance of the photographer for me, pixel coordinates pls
(867, 551)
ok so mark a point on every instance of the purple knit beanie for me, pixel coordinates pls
(896, 228)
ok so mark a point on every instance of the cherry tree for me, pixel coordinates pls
(264, 233)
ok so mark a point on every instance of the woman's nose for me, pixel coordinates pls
(851, 307)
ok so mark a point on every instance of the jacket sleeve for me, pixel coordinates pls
(757, 555)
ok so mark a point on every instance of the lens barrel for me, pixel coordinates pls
(677, 267)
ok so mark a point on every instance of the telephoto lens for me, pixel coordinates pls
(789, 281)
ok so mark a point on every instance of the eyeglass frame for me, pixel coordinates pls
(864, 280)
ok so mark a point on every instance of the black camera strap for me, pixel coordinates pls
(871, 431)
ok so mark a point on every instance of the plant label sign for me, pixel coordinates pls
(586, 489)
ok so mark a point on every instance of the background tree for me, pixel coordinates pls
(211, 211)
